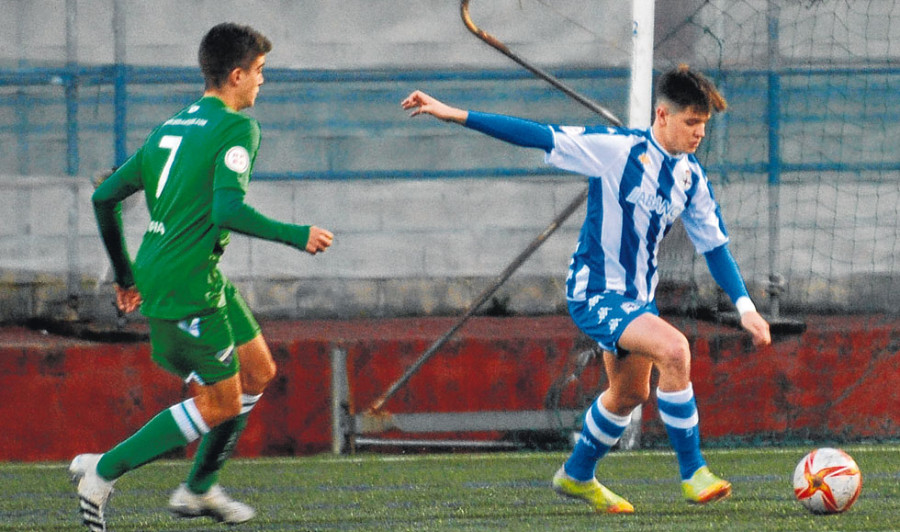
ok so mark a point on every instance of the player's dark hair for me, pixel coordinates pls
(228, 46)
(684, 88)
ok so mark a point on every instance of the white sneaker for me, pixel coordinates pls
(214, 503)
(93, 491)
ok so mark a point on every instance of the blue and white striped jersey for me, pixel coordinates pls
(636, 192)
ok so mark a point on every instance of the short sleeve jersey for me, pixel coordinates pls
(203, 147)
(636, 193)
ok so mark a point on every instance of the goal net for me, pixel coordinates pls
(805, 161)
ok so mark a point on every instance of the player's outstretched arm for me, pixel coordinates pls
(518, 131)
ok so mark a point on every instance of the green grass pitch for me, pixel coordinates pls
(470, 492)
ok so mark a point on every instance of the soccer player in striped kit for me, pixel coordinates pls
(640, 182)
(194, 170)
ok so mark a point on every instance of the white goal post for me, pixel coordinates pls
(640, 111)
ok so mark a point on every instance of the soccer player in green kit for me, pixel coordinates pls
(194, 170)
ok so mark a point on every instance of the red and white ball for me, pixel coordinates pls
(827, 481)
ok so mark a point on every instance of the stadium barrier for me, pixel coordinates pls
(835, 382)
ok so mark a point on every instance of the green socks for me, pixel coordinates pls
(216, 447)
(172, 428)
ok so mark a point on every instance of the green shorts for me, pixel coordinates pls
(202, 347)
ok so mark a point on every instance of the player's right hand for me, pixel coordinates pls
(319, 240)
(758, 327)
(127, 299)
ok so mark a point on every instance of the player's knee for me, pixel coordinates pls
(639, 395)
(676, 355)
(621, 400)
(259, 376)
(631, 398)
(267, 373)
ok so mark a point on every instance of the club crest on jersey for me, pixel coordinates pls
(237, 159)
(644, 158)
(687, 179)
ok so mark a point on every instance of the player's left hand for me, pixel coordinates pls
(758, 327)
(127, 299)
(319, 240)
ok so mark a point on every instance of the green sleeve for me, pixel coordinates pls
(230, 212)
(108, 212)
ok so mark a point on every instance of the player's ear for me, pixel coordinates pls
(662, 114)
(235, 76)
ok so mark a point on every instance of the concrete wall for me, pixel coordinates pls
(401, 247)
(429, 247)
(320, 35)
(385, 34)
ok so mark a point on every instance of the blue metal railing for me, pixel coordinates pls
(766, 107)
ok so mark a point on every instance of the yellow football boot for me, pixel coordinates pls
(704, 487)
(601, 499)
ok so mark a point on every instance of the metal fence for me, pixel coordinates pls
(805, 162)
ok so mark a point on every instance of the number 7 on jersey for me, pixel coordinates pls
(171, 143)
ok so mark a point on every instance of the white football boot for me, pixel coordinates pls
(214, 503)
(93, 491)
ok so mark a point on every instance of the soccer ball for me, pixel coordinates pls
(827, 481)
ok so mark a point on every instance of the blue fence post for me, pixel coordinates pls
(120, 103)
(70, 82)
(773, 104)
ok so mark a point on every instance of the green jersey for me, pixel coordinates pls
(203, 147)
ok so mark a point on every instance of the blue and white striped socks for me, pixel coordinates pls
(678, 411)
(602, 429)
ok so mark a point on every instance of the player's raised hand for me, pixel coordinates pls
(127, 299)
(420, 103)
(319, 240)
(758, 327)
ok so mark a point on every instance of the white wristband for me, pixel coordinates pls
(744, 305)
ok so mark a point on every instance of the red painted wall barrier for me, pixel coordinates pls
(839, 380)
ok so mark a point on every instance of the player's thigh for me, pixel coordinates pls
(243, 325)
(656, 339)
(256, 362)
(605, 316)
(257, 365)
